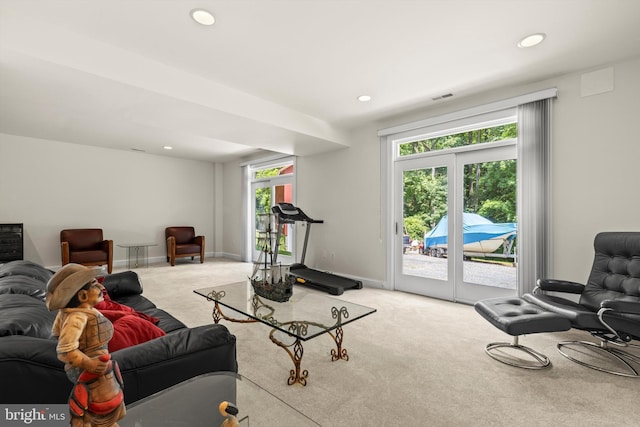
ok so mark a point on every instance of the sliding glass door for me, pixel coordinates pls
(456, 225)
(423, 187)
(486, 224)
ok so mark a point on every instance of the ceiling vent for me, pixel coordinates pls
(446, 95)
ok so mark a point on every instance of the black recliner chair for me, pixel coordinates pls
(608, 306)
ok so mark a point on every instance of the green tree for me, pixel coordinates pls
(488, 185)
(489, 188)
(425, 199)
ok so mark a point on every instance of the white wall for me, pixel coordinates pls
(595, 158)
(337, 187)
(49, 186)
(343, 189)
(595, 166)
(232, 211)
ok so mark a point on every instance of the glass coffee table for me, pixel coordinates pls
(305, 316)
(195, 403)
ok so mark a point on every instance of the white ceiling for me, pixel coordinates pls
(276, 75)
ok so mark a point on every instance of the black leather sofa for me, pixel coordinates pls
(31, 373)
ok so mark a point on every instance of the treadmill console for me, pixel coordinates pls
(288, 213)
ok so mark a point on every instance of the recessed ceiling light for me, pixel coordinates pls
(168, 147)
(203, 17)
(364, 98)
(532, 40)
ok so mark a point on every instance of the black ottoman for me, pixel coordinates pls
(516, 317)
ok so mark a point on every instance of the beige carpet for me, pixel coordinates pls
(416, 362)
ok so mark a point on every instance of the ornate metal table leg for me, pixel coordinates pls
(339, 352)
(295, 375)
(216, 314)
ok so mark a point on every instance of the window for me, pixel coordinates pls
(270, 183)
(454, 187)
(460, 139)
(517, 163)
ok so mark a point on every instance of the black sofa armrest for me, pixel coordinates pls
(122, 284)
(628, 307)
(31, 372)
(560, 286)
(160, 363)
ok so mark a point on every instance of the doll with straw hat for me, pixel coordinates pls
(83, 335)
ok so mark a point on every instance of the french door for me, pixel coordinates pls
(414, 271)
(265, 194)
(462, 255)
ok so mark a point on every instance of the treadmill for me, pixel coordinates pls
(286, 213)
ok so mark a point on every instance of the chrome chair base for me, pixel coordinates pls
(538, 360)
(629, 363)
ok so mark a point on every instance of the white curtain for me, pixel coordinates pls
(534, 177)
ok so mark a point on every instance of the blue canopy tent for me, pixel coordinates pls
(480, 235)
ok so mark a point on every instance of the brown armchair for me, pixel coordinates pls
(86, 246)
(183, 242)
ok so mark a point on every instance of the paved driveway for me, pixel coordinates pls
(482, 273)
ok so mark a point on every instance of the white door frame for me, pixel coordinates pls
(455, 289)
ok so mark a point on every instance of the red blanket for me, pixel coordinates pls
(130, 327)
